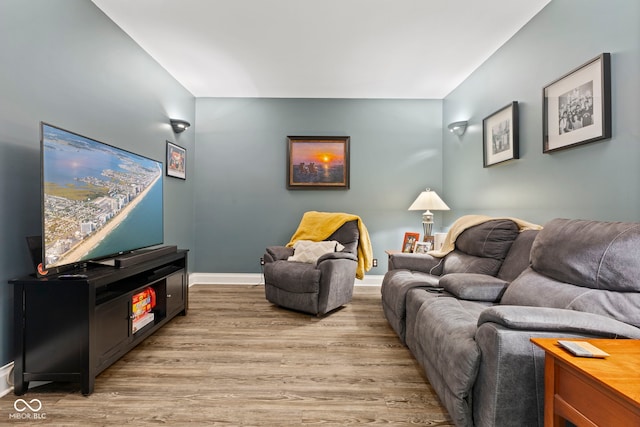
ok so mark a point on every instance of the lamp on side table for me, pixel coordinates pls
(428, 200)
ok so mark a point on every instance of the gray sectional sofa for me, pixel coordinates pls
(470, 327)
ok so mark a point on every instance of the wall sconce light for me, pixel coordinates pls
(458, 128)
(179, 125)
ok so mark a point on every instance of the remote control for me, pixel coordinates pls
(583, 349)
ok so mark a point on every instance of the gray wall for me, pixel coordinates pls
(242, 204)
(595, 181)
(66, 63)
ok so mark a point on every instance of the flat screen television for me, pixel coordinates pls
(98, 200)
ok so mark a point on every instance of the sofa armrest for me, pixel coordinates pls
(337, 255)
(416, 262)
(557, 320)
(474, 286)
(276, 253)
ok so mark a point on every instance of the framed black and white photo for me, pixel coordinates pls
(577, 106)
(176, 161)
(500, 136)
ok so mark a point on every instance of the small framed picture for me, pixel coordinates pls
(500, 135)
(409, 241)
(576, 108)
(422, 247)
(176, 161)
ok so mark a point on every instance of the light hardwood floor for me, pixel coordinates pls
(237, 360)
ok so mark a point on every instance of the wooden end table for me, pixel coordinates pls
(592, 392)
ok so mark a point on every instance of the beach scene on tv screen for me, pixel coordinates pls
(98, 200)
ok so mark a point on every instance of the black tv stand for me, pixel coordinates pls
(71, 329)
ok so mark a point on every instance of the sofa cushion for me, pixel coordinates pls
(395, 286)
(399, 282)
(518, 257)
(534, 289)
(474, 287)
(592, 254)
(491, 239)
(460, 262)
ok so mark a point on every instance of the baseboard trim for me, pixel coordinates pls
(6, 383)
(370, 280)
(258, 279)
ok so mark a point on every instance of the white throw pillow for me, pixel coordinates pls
(309, 251)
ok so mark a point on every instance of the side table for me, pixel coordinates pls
(588, 391)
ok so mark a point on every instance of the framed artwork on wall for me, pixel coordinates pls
(409, 241)
(317, 162)
(500, 135)
(176, 161)
(576, 108)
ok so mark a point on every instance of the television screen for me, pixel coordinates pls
(98, 200)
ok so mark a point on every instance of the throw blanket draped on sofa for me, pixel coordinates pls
(468, 221)
(318, 226)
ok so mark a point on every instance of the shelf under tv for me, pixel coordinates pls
(71, 330)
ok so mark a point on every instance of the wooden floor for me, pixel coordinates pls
(237, 360)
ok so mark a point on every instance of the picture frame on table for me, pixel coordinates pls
(176, 161)
(576, 108)
(317, 162)
(501, 135)
(422, 247)
(409, 241)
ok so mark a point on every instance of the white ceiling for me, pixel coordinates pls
(418, 49)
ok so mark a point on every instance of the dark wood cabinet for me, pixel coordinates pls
(71, 330)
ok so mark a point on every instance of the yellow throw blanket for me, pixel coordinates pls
(318, 226)
(469, 221)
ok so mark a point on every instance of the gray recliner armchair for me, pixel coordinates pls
(315, 288)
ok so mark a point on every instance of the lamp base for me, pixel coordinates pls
(427, 226)
(427, 223)
(428, 237)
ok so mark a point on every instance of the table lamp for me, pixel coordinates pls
(426, 201)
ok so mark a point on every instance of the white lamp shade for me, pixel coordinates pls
(428, 200)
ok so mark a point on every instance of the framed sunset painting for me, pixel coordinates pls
(317, 162)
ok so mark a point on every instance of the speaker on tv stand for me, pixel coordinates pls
(143, 255)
